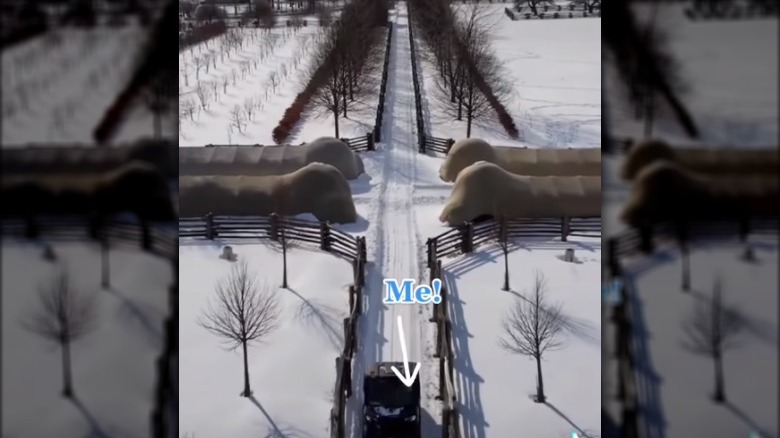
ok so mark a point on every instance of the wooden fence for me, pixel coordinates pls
(645, 241)
(444, 352)
(417, 97)
(466, 237)
(357, 144)
(328, 239)
(161, 241)
(436, 144)
(380, 108)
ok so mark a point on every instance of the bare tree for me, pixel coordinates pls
(65, 316)
(242, 313)
(532, 328)
(589, 4)
(710, 330)
(534, 5)
(204, 95)
(249, 107)
(237, 118)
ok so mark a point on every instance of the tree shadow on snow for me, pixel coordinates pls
(468, 262)
(274, 431)
(576, 327)
(96, 431)
(132, 311)
(583, 433)
(466, 380)
(754, 426)
(758, 328)
(321, 317)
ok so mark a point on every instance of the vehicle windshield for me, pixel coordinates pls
(389, 391)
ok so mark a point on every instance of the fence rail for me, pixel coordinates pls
(469, 235)
(362, 143)
(436, 144)
(417, 96)
(380, 108)
(329, 239)
(644, 241)
(158, 240)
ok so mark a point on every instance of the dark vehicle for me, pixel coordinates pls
(390, 408)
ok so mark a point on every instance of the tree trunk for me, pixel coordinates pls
(469, 118)
(540, 398)
(344, 101)
(284, 256)
(336, 121)
(67, 377)
(720, 393)
(247, 391)
(505, 247)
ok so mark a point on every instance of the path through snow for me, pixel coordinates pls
(395, 246)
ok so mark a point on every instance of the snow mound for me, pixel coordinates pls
(319, 189)
(706, 160)
(269, 160)
(487, 189)
(521, 160)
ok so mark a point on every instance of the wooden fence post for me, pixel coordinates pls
(682, 239)
(273, 220)
(210, 226)
(370, 141)
(324, 236)
(469, 237)
(565, 228)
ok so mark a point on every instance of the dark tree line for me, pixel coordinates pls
(470, 83)
(347, 58)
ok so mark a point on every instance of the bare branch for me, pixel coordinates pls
(532, 327)
(242, 311)
(712, 327)
(65, 314)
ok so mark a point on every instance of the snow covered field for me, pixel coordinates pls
(128, 335)
(494, 387)
(292, 371)
(399, 201)
(56, 87)
(267, 72)
(555, 69)
(715, 58)
(675, 386)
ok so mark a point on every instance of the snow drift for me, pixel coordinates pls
(713, 161)
(319, 189)
(87, 158)
(486, 189)
(269, 160)
(665, 191)
(521, 161)
(136, 187)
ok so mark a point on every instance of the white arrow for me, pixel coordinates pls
(405, 378)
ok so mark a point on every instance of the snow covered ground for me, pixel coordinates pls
(399, 201)
(278, 56)
(57, 87)
(715, 58)
(292, 371)
(675, 385)
(128, 335)
(729, 70)
(494, 386)
(555, 69)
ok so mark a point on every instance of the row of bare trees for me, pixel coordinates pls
(471, 82)
(347, 60)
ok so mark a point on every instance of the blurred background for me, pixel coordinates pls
(690, 216)
(89, 241)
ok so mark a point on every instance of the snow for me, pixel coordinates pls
(716, 59)
(729, 71)
(45, 81)
(292, 371)
(128, 336)
(555, 69)
(398, 201)
(287, 49)
(675, 385)
(494, 386)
